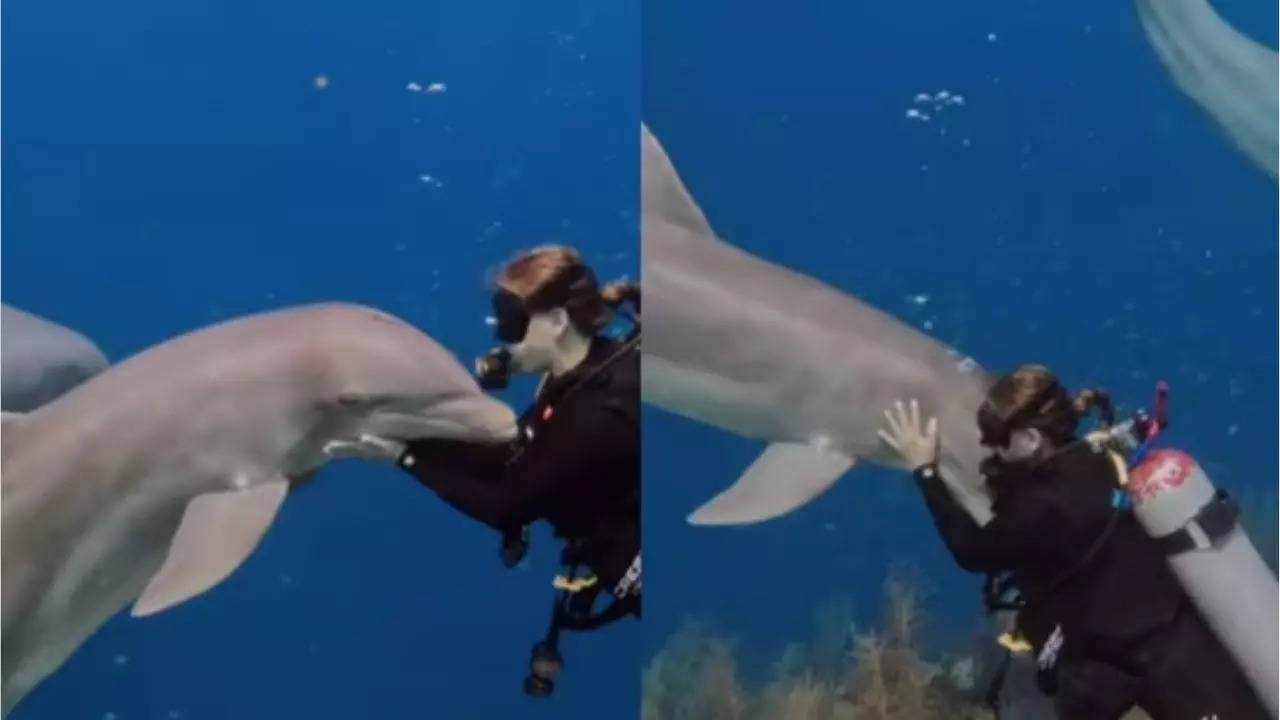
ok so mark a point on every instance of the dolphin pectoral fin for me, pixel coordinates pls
(217, 532)
(784, 477)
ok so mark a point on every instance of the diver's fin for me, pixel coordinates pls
(218, 531)
(784, 477)
(662, 194)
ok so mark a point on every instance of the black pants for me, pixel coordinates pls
(1181, 672)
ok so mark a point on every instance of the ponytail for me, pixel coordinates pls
(1089, 399)
(1031, 397)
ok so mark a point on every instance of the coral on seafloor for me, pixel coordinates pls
(876, 674)
(844, 674)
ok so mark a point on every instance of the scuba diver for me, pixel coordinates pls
(576, 459)
(1105, 617)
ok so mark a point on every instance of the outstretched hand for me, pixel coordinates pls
(918, 447)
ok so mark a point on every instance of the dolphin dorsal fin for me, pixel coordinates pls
(662, 194)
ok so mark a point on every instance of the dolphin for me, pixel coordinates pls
(1229, 76)
(40, 360)
(745, 345)
(151, 482)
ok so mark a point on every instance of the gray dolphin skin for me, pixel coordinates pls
(748, 346)
(40, 360)
(154, 480)
(1231, 77)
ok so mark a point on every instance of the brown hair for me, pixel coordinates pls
(555, 276)
(1032, 397)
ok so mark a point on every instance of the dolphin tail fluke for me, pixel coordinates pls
(784, 477)
(1231, 77)
(218, 531)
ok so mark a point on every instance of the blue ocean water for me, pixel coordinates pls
(1076, 211)
(172, 164)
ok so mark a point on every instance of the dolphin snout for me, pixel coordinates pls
(480, 418)
(500, 422)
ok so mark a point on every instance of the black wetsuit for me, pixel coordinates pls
(1129, 632)
(576, 464)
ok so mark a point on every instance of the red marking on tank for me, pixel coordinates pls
(546, 413)
(1159, 471)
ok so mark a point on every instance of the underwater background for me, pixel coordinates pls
(167, 165)
(1075, 210)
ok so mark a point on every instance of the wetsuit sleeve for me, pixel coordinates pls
(1006, 542)
(588, 436)
(480, 463)
(455, 462)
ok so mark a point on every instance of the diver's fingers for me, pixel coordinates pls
(932, 430)
(915, 413)
(902, 414)
(893, 423)
(889, 440)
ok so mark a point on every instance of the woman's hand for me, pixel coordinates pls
(917, 447)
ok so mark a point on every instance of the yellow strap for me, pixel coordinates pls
(573, 585)
(1015, 643)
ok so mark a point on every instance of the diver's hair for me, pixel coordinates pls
(532, 270)
(1057, 414)
(1092, 398)
(537, 270)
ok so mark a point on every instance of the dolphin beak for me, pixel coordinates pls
(478, 419)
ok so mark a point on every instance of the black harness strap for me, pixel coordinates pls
(1214, 519)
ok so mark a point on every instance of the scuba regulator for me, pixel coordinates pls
(493, 369)
(575, 290)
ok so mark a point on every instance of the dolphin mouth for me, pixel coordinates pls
(476, 419)
(472, 418)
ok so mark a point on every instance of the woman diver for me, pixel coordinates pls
(576, 459)
(1107, 620)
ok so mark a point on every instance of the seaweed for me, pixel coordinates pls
(878, 674)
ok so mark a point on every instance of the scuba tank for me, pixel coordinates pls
(1196, 527)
